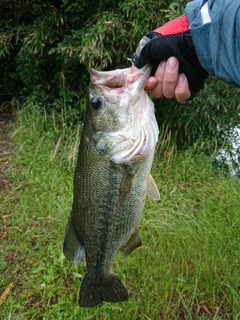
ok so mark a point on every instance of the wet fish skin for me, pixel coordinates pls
(112, 179)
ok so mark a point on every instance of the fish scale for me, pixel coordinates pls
(109, 196)
(110, 226)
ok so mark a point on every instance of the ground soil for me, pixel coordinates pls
(7, 114)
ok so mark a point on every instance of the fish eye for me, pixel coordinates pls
(96, 103)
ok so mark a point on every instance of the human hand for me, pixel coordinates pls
(181, 78)
(167, 82)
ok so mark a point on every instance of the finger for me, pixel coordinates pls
(151, 84)
(134, 68)
(157, 91)
(170, 77)
(182, 92)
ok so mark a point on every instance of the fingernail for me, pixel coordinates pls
(162, 66)
(172, 64)
(181, 78)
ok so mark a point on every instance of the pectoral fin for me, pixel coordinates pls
(152, 189)
(126, 184)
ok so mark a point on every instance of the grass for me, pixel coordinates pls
(187, 268)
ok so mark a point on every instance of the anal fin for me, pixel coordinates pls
(133, 242)
(73, 249)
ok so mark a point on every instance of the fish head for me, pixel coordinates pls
(120, 113)
(112, 95)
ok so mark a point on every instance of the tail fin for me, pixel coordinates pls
(73, 249)
(94, 292)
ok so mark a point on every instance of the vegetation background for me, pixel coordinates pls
(189, 265)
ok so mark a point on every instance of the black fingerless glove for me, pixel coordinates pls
(172, 39)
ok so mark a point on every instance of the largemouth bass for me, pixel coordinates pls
(112, 180)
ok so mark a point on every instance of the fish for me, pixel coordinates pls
(111, 180)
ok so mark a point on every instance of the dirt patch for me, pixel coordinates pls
(6, 117)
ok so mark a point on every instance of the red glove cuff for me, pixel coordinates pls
(174, 26)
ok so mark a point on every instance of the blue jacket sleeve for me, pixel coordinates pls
(217, 43)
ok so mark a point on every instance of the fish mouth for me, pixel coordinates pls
(110, 79)
(119, 78)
